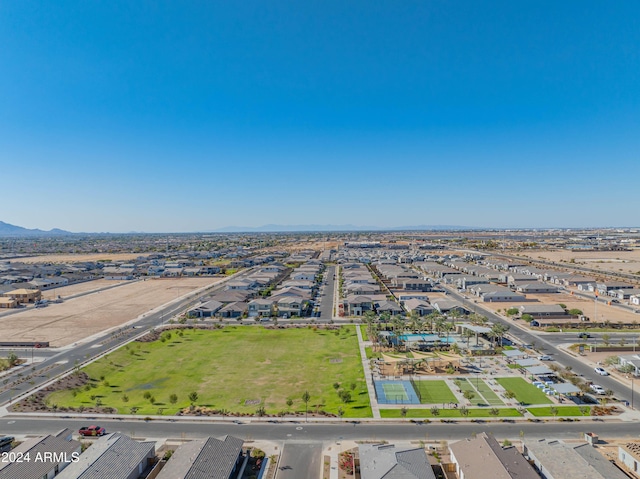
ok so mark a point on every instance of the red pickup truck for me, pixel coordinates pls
(92, 431)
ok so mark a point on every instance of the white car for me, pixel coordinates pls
(597, 389)
(545, 357)
(601, 372)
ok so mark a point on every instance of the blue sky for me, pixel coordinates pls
(191, 116)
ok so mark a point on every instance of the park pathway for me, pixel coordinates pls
(375, 407)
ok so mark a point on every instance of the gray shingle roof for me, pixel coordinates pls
(390, 462)
(113, 456)
(37, 467)
(204, 459)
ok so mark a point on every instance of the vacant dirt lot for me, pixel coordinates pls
(70, 290)
(614, 261)
(78, 258)
(78, 318)
(604, 312)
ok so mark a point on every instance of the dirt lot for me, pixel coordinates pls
(70, 290)
(614, 261)
(75, 319)
(78, 258)
(604, 312)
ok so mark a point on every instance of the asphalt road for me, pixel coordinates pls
(550, 346)
(326, 300)
(311, 433)
(299, 460)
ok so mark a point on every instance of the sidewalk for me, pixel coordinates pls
(375, 407)
(333, 451)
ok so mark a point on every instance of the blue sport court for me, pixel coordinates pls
(395, 392)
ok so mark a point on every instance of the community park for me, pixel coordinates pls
(311, 371)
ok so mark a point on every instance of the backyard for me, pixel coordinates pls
(251, 370)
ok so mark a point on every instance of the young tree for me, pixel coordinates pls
(435, 411)
(464, 412)
(173, 398)
(468, 395)
(193, 397)
(494, 411)
(306, 397)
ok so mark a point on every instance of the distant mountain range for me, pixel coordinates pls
(9, 230)
(323, 228)
(18, 231)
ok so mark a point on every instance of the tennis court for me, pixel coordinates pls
(395, 392)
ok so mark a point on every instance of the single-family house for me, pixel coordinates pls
(390, 307)
(388, 461)
(421, 307)
(114, 456)
(24, 296)
(208, 458)
(264, 307)
(483, 458)
(558, 460)
(289, 306)
(357, 305)
(536, 288)
(629, 455)
(47, 457)
(233, 310)
(206, 310)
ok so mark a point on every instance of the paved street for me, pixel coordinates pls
(327, 298)
(322, 432)
(300, 460)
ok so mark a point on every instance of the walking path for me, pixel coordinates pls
(375, 407)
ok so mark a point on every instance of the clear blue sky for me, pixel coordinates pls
(190, 116)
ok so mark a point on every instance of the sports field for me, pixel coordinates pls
(395, 391)
(526, 393)
(434, 392)
(237, 369)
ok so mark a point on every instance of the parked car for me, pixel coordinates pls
(545, 357)
(597, 389)
(92, 431)
(601, 371)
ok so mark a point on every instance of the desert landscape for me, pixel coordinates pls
(606, 261)
(79, 258)
(75, 319)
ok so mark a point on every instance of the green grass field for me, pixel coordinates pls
(238, 369)
(434, 392)
(563, 411)
(491, 398)
(526, 393)
(448, 413)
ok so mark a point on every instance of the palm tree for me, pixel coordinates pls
(467, 334)
(433, 317)
(448, 327)
(397, 326)
(413, 321)
(439, 324)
